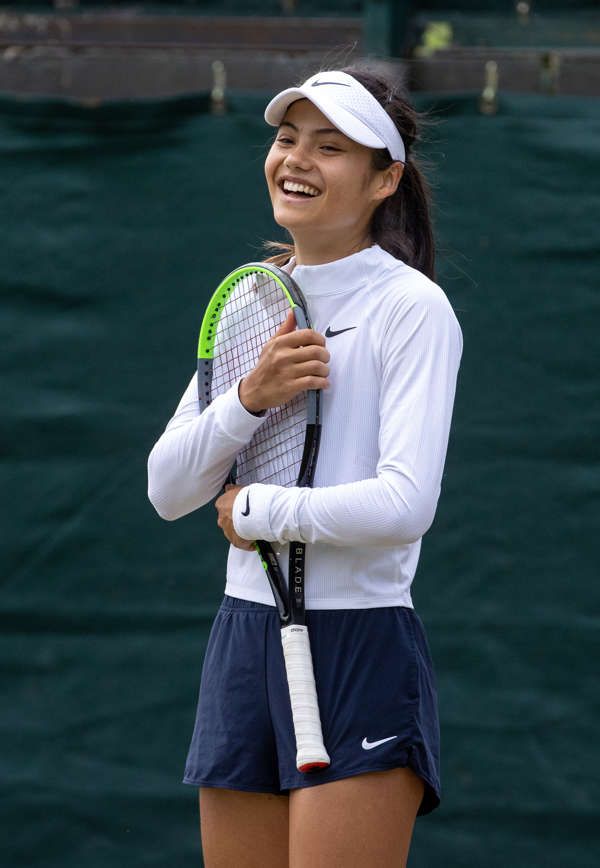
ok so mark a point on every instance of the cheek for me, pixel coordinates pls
(352, 178)
(350, 189)
(270, 167)
(364, 180)
(350, 198)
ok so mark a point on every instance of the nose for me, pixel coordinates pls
(298, 157)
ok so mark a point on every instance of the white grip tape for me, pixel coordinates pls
(311, 751)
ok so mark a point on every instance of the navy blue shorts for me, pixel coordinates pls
(377, 696)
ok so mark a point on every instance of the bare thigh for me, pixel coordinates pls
(243, 830)
(365, 820)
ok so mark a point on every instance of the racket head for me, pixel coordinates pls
(245, 311)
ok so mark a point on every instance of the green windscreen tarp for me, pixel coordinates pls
(116, 222)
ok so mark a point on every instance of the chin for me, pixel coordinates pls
(286, 220)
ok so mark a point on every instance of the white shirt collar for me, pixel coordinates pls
(337, 277)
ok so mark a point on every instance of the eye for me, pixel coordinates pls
(330, 148)
(284, 140)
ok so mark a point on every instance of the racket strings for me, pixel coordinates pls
(254, 310)
(275, 452)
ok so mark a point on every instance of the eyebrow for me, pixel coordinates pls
(322, 131)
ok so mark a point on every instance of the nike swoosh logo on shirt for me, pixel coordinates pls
(369, 745)
(247, 510)
(330, 334)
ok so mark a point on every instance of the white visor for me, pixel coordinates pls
(348, 105)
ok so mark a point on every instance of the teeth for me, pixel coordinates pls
(293, 187)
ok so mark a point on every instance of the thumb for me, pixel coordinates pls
(287, 326)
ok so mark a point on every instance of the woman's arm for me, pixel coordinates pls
(190, 462)
(420, 356)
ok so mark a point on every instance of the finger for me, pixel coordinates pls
(311, 382)
(310, 369)
(301, 338)
(241, 543)
(310, 353)
(287, 326)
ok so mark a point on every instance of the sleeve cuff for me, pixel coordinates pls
(233, 418)
(251, 511)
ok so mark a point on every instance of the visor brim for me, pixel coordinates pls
(341, 118)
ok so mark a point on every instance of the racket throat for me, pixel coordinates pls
(296, 582)
(275, 578)
(311, 444)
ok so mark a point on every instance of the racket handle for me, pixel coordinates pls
(311, 753)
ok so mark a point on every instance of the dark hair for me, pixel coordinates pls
(402, 223)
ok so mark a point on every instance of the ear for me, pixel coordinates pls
(388, 181)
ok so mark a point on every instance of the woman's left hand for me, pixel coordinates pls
(224, 507)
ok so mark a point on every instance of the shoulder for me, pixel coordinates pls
(403, 293)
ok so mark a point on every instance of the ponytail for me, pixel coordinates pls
(402, 223)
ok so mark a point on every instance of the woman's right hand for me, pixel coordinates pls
(292, 361)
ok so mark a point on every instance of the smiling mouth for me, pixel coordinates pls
(295, 190)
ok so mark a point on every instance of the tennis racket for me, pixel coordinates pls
(245, 311)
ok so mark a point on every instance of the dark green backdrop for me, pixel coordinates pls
(116, 223)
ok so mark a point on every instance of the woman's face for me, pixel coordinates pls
(321, 183)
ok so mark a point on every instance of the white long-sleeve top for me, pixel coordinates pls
(395, 353)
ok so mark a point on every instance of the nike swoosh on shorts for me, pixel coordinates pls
(369, 745)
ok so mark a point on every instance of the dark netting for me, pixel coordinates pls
(117, 224)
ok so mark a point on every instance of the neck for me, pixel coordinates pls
(319, 250)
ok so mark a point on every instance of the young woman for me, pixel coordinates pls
(385, 349)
